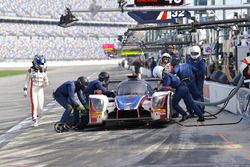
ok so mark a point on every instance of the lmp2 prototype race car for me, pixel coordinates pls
(135, 100)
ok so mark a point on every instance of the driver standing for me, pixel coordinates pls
(37, 78)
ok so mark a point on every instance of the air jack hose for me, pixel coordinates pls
(225, 99)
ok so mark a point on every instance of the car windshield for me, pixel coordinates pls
(132, 88)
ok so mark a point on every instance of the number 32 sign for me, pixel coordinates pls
(177, 14)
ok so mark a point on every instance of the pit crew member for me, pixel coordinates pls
(100, 84)
(186, 74)
(198, 62)
(64, 95)
(170, 81)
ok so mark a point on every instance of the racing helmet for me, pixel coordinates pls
(82, 82)
(165, 56)
(195, 52)
(157, 72)
(175, 62)
(104, 77)
(39, 63)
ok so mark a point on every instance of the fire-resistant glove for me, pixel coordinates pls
(80, 109)
(156, 89)
(167, 88)
(113, 94)
(25, 92)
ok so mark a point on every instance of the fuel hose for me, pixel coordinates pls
(225, 99)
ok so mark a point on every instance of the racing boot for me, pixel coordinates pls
(184, 117)
(175, 115)
(75, 128)
(66, 127)
(201, 119)
(191, 115)
(35, 124)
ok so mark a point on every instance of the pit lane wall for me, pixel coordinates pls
(59, 63)
(214, 91)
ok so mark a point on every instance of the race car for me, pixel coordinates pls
(135, 100)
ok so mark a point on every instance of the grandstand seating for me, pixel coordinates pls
(22, 41)
(54, 8)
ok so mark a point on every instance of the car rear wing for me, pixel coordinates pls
(135, 78)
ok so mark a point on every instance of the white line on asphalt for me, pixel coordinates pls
(17, 129)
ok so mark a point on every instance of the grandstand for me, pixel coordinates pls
(20, 41)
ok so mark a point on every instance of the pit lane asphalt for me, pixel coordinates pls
(22, 145)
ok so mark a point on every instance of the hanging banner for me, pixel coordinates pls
(159, 2)
(158, 17)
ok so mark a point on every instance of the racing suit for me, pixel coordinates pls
(199, 76)
(186, 74)
(64, 95)
(96, 85)
(37, 80)
(181, 92)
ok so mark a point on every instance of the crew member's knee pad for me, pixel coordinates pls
(69, 108)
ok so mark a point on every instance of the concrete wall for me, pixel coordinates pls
(214, 91)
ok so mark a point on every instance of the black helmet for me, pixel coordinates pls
(82, 82)
(175, 62)
(103, 76)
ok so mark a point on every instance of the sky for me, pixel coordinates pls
(229, 13)
(229, 2)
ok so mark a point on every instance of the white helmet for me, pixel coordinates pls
(157, 72)
(195, 52)
(166, 55)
